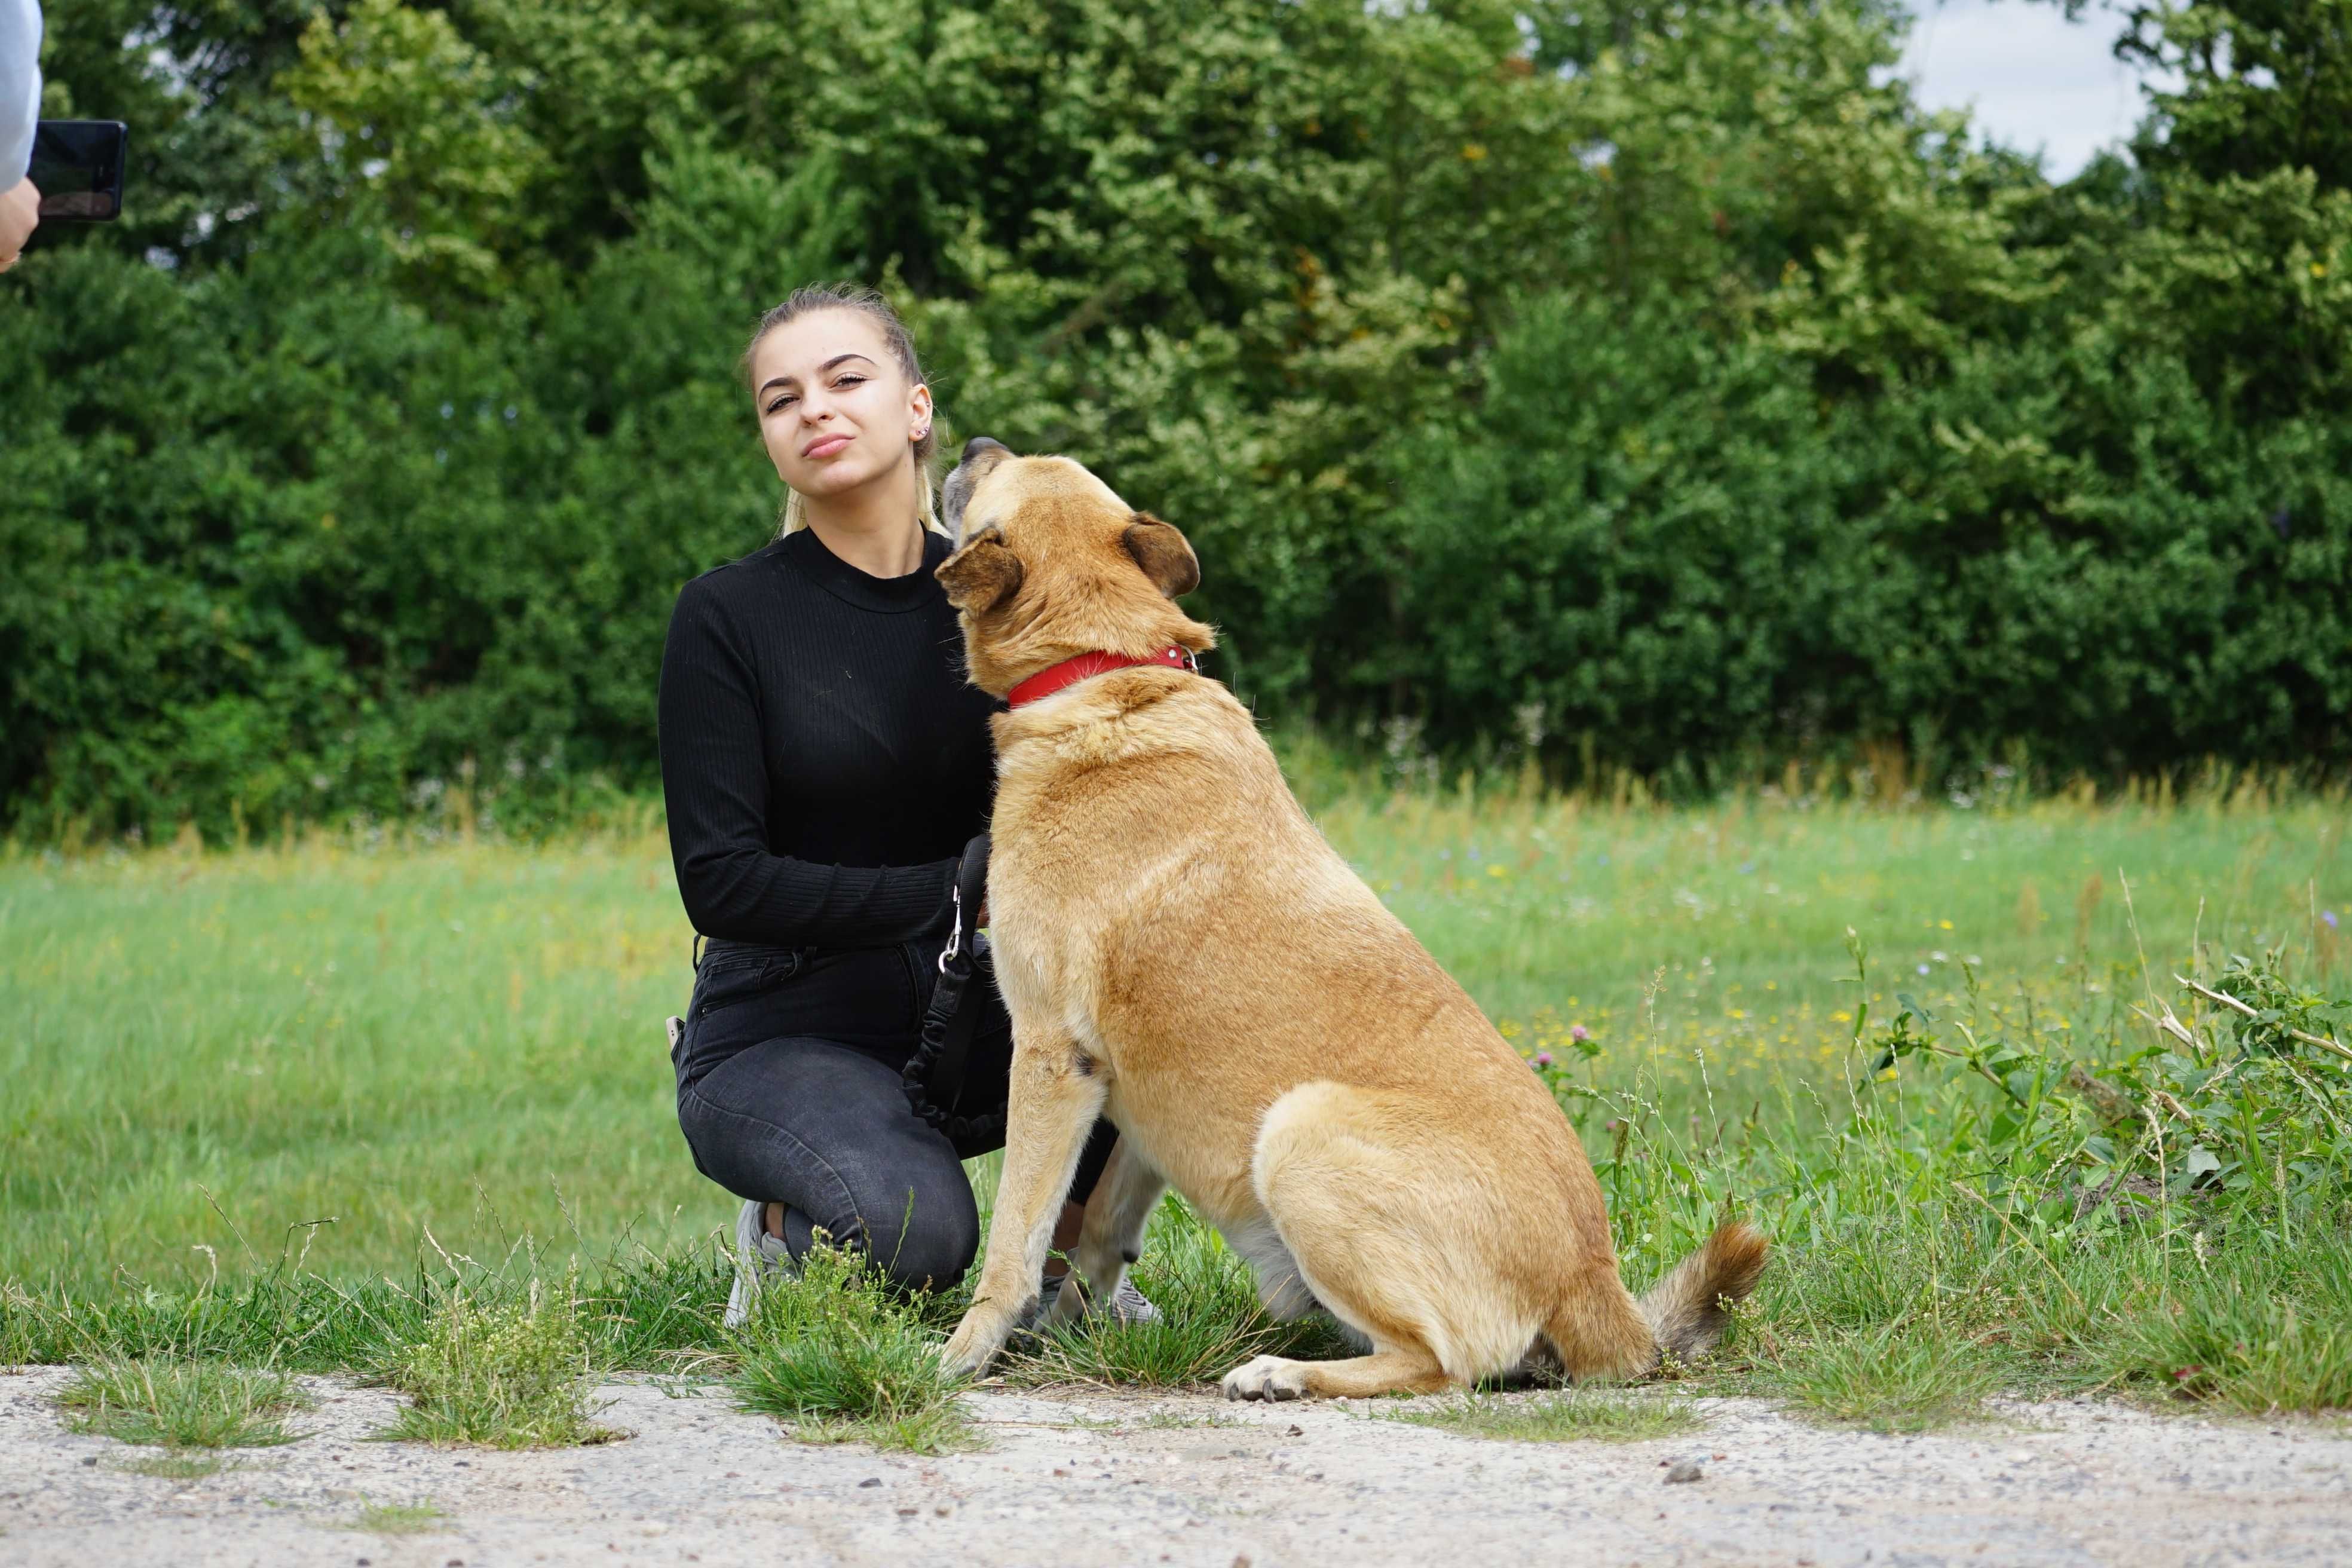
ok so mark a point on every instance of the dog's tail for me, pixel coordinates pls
(1686, 1309)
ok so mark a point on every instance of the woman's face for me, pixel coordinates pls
(835, 411)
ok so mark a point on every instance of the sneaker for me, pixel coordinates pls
(757, 1255)
(1127, 1304)
(1130, 1305)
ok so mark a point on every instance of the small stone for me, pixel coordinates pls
(91, 1461)
(908, 1512)
(871, 1481)
(1688, 1470)
(1297, 1432)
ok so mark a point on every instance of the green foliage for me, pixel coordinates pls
(1656, 388)
(177, 1404)
(505, 1373)
(834, 1353)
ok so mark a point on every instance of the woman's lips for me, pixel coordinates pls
(824, 446)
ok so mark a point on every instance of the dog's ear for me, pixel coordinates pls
(1163, 554)
(980, 455)
(981, 576)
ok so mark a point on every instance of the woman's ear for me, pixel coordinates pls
(981, 576)
(1163, 554)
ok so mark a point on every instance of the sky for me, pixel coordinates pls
(2031, 78)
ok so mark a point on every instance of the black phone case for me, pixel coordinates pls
(78, 167)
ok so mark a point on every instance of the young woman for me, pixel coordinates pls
(824, 761)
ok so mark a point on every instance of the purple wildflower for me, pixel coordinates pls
(1543, 1059)
(1579, 1033)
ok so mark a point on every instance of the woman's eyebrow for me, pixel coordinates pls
(795, 381)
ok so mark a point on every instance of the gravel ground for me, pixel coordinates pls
(1081, 1479)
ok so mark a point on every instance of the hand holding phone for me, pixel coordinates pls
(78, 166)
(20, 214)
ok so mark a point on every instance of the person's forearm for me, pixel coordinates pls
(744, 894)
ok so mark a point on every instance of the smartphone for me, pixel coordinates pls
(78, 168)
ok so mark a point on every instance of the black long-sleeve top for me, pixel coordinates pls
(824, 759)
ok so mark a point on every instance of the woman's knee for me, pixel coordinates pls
(928, 1243)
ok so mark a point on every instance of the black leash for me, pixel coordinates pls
(933, 1077)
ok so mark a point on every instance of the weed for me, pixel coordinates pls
(833, 1354)
(502, 1374)
(181, 1405)
(1888, 1380)
(400, 1518)
(1577, 1416)
(2258, 1347)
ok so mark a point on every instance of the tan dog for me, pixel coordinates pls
(1181, 952)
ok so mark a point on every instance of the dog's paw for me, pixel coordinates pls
(1267, 1377)
(971, 1347)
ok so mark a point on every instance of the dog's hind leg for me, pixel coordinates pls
(1411, 1371)
(1362, 1199)
(1112, 1236)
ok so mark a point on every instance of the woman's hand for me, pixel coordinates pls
(20, 214)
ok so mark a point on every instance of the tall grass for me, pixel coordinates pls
(245, 1086)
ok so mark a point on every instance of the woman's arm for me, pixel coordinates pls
(715, 782)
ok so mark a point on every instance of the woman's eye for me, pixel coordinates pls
(787, 401)
(847, 382)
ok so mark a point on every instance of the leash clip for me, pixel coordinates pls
(955, 931)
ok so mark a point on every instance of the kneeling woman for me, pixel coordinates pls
(824, 762)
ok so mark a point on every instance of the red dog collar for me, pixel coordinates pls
(1070, 671)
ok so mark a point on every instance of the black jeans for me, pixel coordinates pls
(788, 1091)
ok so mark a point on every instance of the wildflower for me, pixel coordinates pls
(2329, 916)
(1944, 925)
(1543, 1059)
(1579, 1033)
(1922, 969)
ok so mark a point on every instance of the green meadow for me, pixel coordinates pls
(355, 1058)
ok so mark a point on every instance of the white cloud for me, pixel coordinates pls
(2031, 79)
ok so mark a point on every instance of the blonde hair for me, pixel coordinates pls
(876, 309)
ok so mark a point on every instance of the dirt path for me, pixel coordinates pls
(1080, 1479)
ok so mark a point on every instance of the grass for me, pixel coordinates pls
(400, 1518)
(1577, 1416)
(181, 1405)
(1889, 1380)
(837, 1359)
(498, 1373)
(247, 1087)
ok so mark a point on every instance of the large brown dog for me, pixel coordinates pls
(1181, 952)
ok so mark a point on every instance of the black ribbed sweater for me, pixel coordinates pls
(824, 759)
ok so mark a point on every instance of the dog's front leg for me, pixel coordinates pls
(1056, 1092)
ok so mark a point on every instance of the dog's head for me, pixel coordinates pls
(1049, 564)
